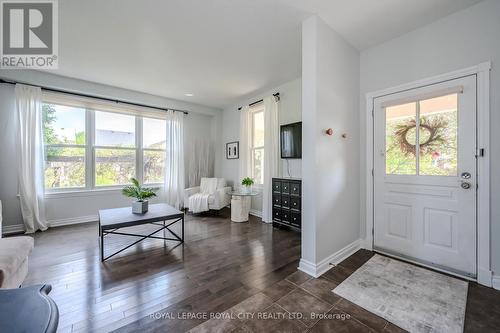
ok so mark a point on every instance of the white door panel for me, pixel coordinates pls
(424, 140)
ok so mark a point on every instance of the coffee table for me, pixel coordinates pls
(111, 220)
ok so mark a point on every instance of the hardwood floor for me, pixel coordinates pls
(223, 268)
(221, 264)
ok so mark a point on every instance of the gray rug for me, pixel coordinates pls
(411, 297)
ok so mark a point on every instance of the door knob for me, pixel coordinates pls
(465, 175)
(465, 185)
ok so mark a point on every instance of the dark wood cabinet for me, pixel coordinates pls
(287, 195)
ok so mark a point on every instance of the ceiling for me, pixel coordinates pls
(219, 50)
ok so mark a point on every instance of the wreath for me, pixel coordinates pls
(435, 135)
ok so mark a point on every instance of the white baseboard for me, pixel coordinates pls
(255, 212)
(12, 229)
(316, 270)
(495, 281)
(72, 220)
(19, 228)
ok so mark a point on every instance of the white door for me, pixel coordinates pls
(425, 175)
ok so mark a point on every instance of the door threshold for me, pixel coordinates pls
(421, 263)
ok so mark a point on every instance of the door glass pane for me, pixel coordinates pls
(154, 133)
(114, 129)
(64, 167)
(258, 129)
(114, 166)
(63, 124)
(400, 139)
(438, 136)
(154, 166)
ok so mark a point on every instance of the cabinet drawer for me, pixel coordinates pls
(295, 203)
(295, 219)
(285, 187)
(276, 214)
(295, 188)
(285, 201)
(285, 216)
(276, 199)
(276, 186)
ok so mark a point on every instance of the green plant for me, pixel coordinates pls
(247, 181)
(137, 191)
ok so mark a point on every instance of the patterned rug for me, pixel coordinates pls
(413, 298)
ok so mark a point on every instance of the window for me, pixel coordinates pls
(65, 146)
(154, 144)
(257, 143)
(87, 149)
(115, 153)
(426, 147)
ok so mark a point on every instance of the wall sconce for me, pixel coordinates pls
(329, 131)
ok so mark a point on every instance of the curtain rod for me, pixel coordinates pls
(276, 96)
(95, 97)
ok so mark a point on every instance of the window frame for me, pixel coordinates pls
(90, 148)
(258, 108)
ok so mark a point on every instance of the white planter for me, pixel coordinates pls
(247, 189)
(140, 207)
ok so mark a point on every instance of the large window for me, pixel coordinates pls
(87, 149)
(257, 143)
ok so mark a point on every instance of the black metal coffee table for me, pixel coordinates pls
(110, 220)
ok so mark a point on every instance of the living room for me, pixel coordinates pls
(249, 166)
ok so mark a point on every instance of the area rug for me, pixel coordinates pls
(413, 298)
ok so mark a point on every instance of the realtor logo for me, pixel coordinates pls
(29, 34)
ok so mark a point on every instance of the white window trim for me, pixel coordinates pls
(253, 110)
(90, 187)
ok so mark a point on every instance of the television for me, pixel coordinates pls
(291, 140)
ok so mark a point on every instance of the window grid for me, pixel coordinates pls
(90, 149)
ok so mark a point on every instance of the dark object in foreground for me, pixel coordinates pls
(28, 309)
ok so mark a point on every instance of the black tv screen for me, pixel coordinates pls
(291, 140)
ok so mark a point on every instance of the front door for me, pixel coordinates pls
(425, 175)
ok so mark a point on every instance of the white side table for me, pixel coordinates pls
(240, 205)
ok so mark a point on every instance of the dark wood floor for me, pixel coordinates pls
(223, 268)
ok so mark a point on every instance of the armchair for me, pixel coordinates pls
(217, 191)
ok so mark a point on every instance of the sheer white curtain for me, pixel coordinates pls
(245, 141)
(271, 149)
(174, 166)
(31, 157)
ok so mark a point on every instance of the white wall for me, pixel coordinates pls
(199, 124)
(463, 39)
(330, 164)
(289, 112)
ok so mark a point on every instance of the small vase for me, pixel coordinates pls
(140, 207)
(247, 189)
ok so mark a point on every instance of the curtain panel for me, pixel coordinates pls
(271, 151)
(174, 166)
(30, 157)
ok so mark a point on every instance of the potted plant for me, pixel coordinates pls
(247, 182)
(142, 194)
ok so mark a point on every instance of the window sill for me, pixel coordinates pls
(89, 193)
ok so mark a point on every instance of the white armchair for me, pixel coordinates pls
(217, 199)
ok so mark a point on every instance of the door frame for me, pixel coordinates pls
(482, 73)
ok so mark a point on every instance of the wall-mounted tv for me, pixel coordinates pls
(291, 140)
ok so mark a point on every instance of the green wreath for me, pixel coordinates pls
(434, 128)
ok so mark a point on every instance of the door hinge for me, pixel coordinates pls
(373, 111)
(373, 232)
(480, 152)
(373, 173)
